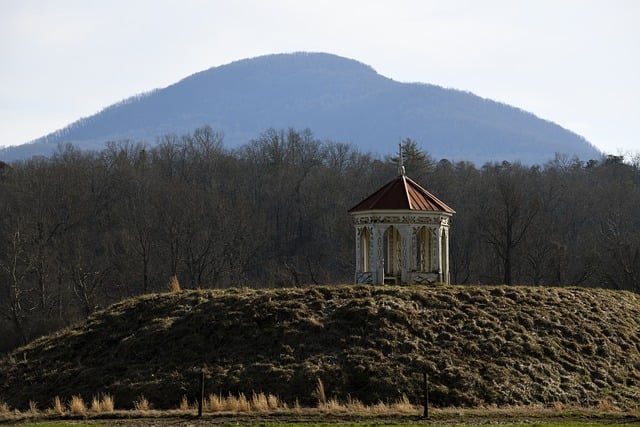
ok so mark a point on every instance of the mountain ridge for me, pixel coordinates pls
(339, 99)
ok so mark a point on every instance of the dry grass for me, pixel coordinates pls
(215, 403)
(481, 346)
(319, 393)
(141, 404)
(95, 405)
(274, 402)
(184, 404)
(57, 406)
(607, 405)
(379, 408)
(354, 406)
(331, 405)
(107, 404)
(267, 403)
(77, 406)
(403, 406)
(238, 404)
(102, 404)
(260, 403)
(33, 408)
(174, 284)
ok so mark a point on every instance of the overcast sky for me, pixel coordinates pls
(574, 62)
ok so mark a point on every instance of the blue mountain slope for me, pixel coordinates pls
(338, 99)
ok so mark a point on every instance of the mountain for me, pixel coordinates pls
(480, 345)
(338, 99)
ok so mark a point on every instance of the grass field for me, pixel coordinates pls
(480, 346)
(530, 416)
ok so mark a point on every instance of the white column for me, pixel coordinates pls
(358, 256)
(439, 252)
(447, 278)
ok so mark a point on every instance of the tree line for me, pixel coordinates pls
(81, 230)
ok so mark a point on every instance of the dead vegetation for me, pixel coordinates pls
(480, 346)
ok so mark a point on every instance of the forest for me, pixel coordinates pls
(83, 229)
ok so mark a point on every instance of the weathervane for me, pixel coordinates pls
(401, 170)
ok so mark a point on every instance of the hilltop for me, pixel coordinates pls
(480, 345)
(339, 99)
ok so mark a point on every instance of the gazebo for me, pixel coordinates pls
(402, 235)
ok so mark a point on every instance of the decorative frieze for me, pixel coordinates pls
(404, 219)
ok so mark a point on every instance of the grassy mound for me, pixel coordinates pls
(479, 345)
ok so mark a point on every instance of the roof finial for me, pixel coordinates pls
(401, 170)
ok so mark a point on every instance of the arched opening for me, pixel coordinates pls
(365, 248)
(424, 250)
(391, 251)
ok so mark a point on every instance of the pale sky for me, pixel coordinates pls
(574, 62)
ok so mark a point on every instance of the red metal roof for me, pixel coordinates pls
(402, 193)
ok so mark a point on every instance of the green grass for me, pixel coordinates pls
(57, 424)
(422, 424)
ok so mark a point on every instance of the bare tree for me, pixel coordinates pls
(510, 204)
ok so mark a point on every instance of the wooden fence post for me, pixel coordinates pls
(201, 394)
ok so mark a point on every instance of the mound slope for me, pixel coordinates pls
(479, 345)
